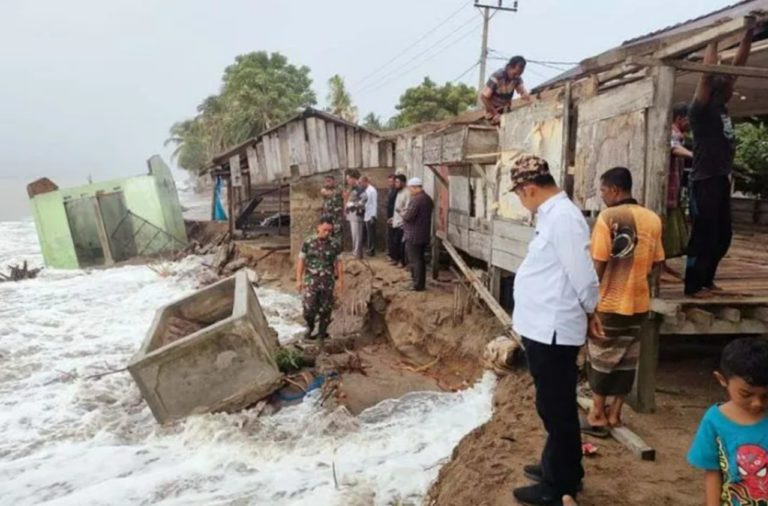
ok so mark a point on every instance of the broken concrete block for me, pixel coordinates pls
(226, 363)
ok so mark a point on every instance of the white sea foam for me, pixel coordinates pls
(68, 440)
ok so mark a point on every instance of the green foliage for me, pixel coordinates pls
(373, 122)
(752, 157)
(430, 102)
(289, 360)
(339, 100)
(259, 90)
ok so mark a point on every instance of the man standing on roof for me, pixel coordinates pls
(714, 148)
(501, 87)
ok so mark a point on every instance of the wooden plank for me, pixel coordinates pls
(459, 194)
(459, 218)
(262, 159)
(432, 152)
(730, 70)
(352, 158)
(659, 124)
(625, 436)
(513, 230)
(479, 245)
(722, 300)
(633, 97)
(481, 140)
(701, 39)
(315, 163)
(285, 152)
(322, 147)
(453, 146)
(358, 149)
(511, 246)
(505, 260)
(365, 147)
(253, 162)
(374, 146)
(333, 151)
(341, 146)
(298, 147)
(483, 292)
(235, 171)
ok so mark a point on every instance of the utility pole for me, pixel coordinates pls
(484, 46)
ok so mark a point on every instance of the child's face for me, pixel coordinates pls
(752, 399)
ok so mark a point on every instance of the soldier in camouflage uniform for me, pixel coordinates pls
(333, 207)
(316, 273)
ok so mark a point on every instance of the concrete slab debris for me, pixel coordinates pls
(210, 351)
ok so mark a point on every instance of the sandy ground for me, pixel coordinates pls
(488, 463)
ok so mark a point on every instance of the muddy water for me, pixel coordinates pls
(67, 440)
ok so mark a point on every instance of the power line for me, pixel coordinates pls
(465, 72)
(404, 51)
(398, 72)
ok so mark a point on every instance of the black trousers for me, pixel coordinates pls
(370, 236)
(396, 245)
(711, 234)
(555, 375)
(416, 254)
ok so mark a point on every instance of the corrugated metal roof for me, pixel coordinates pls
(732, 11)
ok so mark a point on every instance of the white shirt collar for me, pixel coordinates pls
(548, 204)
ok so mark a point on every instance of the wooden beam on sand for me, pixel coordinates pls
(623, 435)
(730, 70)
(483, 292)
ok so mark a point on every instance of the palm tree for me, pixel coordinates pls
(339, 100)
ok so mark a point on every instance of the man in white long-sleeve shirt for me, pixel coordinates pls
(369, 218)
(556, 292)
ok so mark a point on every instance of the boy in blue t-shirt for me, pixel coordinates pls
(731, 445)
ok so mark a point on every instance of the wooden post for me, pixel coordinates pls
(231, 208)
(280, 209)
(566, 134)
(659, 124)
(643, 395)
(101, 229)
(495, 282)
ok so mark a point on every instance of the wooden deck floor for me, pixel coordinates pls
(743, 273)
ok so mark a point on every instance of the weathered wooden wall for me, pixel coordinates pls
(536, 129)
(612, 132)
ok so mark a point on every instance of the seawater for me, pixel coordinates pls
(68, 440)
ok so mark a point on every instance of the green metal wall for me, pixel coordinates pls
(152, 197)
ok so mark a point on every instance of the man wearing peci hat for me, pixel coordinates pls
(556, 292)
(417, 226)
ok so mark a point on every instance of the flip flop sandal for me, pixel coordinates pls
(586, 428)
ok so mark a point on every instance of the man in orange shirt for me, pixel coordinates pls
(626, 247)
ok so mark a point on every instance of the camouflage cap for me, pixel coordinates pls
(526, 168)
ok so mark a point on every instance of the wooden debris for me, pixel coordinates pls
(17, 273)
(623, 435)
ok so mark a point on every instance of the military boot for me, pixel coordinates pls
(308, 334)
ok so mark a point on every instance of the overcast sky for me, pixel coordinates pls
(91, 86)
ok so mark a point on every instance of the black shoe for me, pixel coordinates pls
(414, 289)
(535, 473)
(308, 334)
(538, 495)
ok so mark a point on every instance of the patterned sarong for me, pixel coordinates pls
(613, 360)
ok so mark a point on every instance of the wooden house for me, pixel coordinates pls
(294, 156)
(614, 109)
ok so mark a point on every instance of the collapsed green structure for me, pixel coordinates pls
(108, 222)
